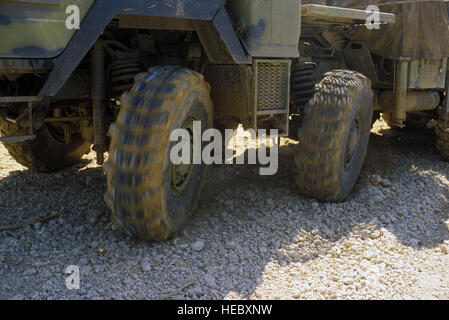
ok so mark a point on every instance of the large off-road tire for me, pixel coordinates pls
(151, 198)
(442, 132)
(334, 136)
(47, 152)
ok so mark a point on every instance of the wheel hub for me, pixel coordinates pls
(180, 174)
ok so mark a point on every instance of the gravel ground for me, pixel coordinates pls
(253, 237)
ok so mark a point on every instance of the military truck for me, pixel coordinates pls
(135, 70)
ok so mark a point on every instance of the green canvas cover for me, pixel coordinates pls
(421, 30)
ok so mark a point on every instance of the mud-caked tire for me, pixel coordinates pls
(143, 193)
(46, 153)
(442, 133)
(334, 136)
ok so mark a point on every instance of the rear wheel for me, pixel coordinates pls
(48, 152)
(442, 132)
(150, 197)
(334, 136)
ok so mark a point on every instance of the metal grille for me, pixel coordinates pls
(272, 85)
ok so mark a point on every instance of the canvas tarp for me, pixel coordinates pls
(421, 30)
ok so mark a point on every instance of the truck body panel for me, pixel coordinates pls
(268, 28)
(36, 29)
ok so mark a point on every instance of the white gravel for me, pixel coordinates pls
(253, 237)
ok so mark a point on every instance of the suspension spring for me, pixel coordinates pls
(122, 73)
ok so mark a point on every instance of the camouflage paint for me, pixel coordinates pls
(36, 28)
(270, 28)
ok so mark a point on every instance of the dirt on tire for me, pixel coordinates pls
(138, 169)
(321, 162)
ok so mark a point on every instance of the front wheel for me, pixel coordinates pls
(150, 197)
(334, 136)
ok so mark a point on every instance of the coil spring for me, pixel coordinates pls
(122, 73)
(303, 80)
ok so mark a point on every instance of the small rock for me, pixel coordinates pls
(347, 244)
(197, 291)
(335, 278)
(231, 244)
(375, 179)
(258, 293)
(385, 183)
(314, 205)
(198, 246)
(40, 264)
(444, 249)
(146, 266)
(30, 272)
(296, 295)
(376, 234)
(376, 199)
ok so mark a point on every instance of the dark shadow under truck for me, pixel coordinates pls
(138, 69)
